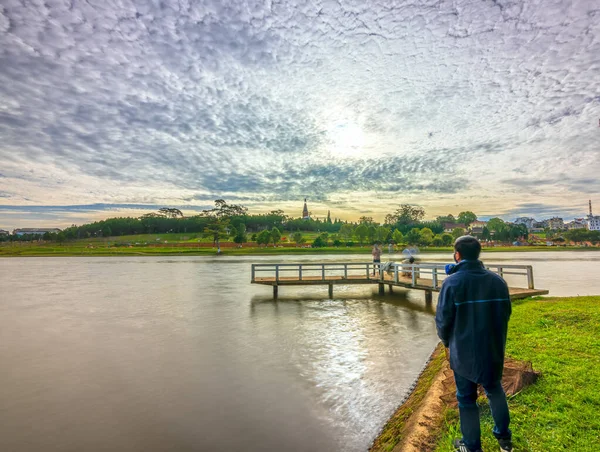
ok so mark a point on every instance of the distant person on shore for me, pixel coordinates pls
(376, 253)
(391, 248)
(472, 320)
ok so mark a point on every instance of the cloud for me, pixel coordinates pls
(62, 216)
(541, 211)
(169, 102)
(88, 207)
(560, 181)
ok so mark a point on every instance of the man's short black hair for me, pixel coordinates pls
(468, 247)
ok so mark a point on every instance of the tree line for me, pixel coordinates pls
(575, 235)
(406, 225)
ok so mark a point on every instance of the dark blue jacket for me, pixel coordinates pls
(472, 319)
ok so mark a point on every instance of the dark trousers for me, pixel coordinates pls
(376, 270)
(466, 394)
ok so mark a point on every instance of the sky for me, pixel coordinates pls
(111, 108)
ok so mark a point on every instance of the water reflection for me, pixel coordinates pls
(399, 298)
(350, 350)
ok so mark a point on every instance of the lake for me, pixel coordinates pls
(159, 353)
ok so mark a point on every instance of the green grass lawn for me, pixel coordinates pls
(107, 248)
(100, 249)
(144, 244)
(561, 337)
(150, 238)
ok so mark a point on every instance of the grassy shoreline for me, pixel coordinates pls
(12, 250)
(561, 337)
(395, 431)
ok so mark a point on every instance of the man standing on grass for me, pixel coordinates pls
(472, 320)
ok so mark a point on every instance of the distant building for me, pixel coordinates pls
(305, 215)
(556, 223)
(476, 228)
(538, 226)
(528, 222)
(35, 231)
(593, 222)
(577, 223)
(4, 233)
(449, 227)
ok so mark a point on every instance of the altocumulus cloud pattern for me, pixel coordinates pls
(347, 102)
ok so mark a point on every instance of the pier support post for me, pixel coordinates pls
(275, 291)
(391, 288)
(530, 277)
(381, 289)
(330, 291)
(428, 297)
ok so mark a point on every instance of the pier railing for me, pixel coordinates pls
(422, 275)
(308, 271)
(436, 272)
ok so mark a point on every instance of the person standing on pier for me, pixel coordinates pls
(472, 320)
(376, 253)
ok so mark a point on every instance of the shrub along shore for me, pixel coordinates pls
(561, 338)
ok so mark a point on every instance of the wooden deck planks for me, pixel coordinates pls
(403, 281)
(517, 293)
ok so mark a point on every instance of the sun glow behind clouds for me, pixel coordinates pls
(347, 139)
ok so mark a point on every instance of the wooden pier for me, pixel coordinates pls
(420, 276)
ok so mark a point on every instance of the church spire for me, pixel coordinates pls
(305, 211)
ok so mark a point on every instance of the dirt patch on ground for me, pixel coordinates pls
(516, 376)
(423, 427)
(402, 422)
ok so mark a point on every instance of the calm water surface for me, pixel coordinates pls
(183, 353)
